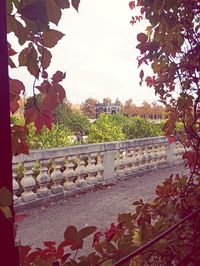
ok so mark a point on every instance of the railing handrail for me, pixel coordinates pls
(154, 240)
(85, 148)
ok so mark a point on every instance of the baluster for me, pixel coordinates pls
(155, 156)
(149, 157)
(92, 169)
(28, 183)
(132, 160)
(163, 153)
(69, 174)
(57, 176)
(128, 161)
(121, 163)
(159, 154)
(81, 172)
(142, 158)
(100, 168)
(16, 200)
(116, 163)
(136, 160)
(43, 180)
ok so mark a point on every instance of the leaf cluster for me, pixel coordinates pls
(177, 197)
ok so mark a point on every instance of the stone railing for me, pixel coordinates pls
(52, 174)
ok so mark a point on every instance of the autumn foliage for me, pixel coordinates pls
(30, 22)
(170, 47)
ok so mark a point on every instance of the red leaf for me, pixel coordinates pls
(141, 74)
(23, 252)
(45, 57)
(49, 244)
(65, 258)
(15, 87)
(20, 217)
(39, 117)
(86, 231)
(142, 37)
(150, 81)
(191, 158)
(60, 92)
(60, 249)
(114, 229)
(63, 3)
(45, 86)
(19, 139)
(53, 11)
(44, 75)
(51, 37)
(171, 139)
(58, 76)
(132, 4)
(96, 238)
(50, 102)
(142, 60)
(11, 52)
(75, 4)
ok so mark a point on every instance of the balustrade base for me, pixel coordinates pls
(64, 195)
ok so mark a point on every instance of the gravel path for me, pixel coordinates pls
(99, 208)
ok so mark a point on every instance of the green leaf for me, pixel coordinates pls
(86, 231)
(51, 37)
(5, 197)
(6, 211)
(53, 11)
(107, 263)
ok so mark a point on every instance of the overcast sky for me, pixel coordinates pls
(98, 53)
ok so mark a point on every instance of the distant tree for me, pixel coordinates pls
(118, 102)
(107, 100)
(73, 120)
(129, 107)
(88, 107)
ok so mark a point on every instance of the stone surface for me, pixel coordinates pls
(98, 208)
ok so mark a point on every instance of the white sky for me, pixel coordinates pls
(98, 53)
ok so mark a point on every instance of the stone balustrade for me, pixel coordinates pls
(52, 174)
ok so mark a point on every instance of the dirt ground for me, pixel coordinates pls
(99, 208)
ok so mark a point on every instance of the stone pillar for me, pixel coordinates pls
(170, 153)
(109, 165)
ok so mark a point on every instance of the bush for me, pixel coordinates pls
(105, 129)
(73, 120)
(137, 127)
(57, 137)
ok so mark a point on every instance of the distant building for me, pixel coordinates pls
(107, 108)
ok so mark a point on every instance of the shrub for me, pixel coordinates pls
(73, 120)
(57, 137)
(137, 127)
(105, 129)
